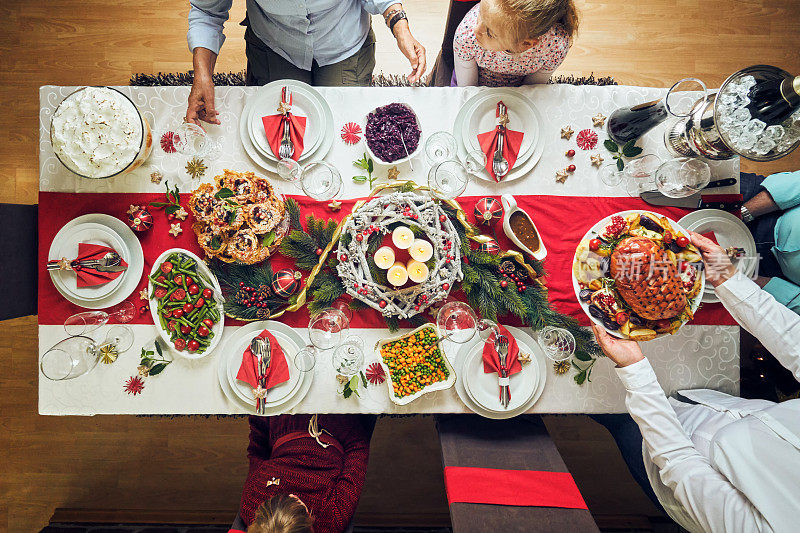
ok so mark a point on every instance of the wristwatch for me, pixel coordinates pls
(396, 17)
(747, 216)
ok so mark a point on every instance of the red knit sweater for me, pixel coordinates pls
(328, 481)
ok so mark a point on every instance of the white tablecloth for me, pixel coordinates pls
(697, 356)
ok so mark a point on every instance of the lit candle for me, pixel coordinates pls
(417, 272)
(384, 257)
(421, 250)
(397, 275)
(402, 237)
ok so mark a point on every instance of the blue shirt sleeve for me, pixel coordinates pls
(784, 187)
(206, 20)
(784, 292)
(378, 7)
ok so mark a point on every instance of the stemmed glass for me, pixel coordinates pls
(475, 162)
(441, 146)
(326, 330)
(320, 181)
(456, 322)
(447, 179)
(77, 355)
(348, 359)
(289, 170)
(486, 328)
(191, 140)
(558, 343)
(88, 321)
(682, 177)
(639, 172)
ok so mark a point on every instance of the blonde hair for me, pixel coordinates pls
(529, 19)
(282, 514)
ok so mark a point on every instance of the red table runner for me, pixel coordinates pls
(523, 488)
(562, 221)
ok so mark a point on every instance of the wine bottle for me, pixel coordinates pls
(629, 123)
(774, 100)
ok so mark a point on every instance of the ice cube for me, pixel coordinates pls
(764, 145)
(747, 81)
(775, 133)
(741, 116)
(756, 126)
(745, 141)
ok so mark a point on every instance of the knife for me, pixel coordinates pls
(694, 201)
(720, 183)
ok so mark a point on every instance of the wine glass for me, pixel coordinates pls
(343, 305)
(558, 343)
(88, 321)
(306, 358)
(486, 328)
(611, 175)
(191, 140)
(475, 162)
(327, 328)
(447, 179)
(321, 181)
(289, 170)
(348, 359)
(77, 355)
(682, 177)
(439, 147)
(639, 173)
(457, 322)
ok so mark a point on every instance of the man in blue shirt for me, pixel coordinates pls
(772, 212)
(320, 42)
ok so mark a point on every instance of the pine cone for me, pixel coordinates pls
(241, 297)
(263, 290)
(262, 313)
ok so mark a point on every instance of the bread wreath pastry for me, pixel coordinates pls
(240, 183)
(211, 243)
(263, 217)
(202, 202)
(245, 246)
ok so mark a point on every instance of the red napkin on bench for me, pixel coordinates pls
(277, 372)
(273, 128)
(488, 144)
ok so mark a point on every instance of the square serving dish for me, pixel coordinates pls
(439, 385)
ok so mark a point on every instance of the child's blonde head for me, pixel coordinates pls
(519, 22)
(283, 513)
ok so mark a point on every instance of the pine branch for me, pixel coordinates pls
(301, 247)
(378, 274)
(392, 322)
(408, 186)
(293, 210)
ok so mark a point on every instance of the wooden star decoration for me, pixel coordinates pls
(133, 209)
(175, 229)
(143, 294)
(561, 176)
(342, 379)
(335, 205)
(566, 132)
(260, 392)
(284, 108)
(393, 173)
(599, 120)
(156, 176)
(597, 160)
(524, 358)
(181, 214)
(196, 168)
(502, 120)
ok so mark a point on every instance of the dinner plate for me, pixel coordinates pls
(231, 359)
(67, 246)
(596, 229)
(203, 272)
(520, 169)
(729, 231)
(484, 389)
(481, 117)
(527, 345)
(131, 277)
(305, 105)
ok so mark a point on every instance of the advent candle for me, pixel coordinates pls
(397, 275)
(402, 237)
(421, 250)
(417, 272)
(384, 257)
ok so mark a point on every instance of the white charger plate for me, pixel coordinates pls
(252, 330)
(729, 231)
(484, 389)
(305, 105)
(596, 229)
(135, 262)
(67, 246)
(538, 358)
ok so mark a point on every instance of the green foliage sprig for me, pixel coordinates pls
(173, 200)
(366, 164)
(152, 365)
(628, 150)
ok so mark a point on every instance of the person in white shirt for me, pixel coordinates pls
(722, 464)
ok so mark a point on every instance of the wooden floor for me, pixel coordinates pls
(127, 462)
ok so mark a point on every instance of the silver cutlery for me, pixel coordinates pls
(109, 260)
(286, 148)
(499, 163)
(255, 348)
(266, 359)
(501, 345)
(695, 201)
(402, 140)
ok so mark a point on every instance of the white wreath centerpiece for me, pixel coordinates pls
(376, 216)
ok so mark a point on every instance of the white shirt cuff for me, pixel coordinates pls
(736, 289)
(637, 375)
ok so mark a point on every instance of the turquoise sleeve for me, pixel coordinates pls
(784, 187)
(784, 292)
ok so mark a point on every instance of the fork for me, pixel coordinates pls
(501, 342)
(266, 358)
(286, 148)
(499, 163)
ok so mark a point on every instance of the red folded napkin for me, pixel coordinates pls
(491, 360)
(277, 372)
(273, 128)
(89, 277)
(710, 235)
(522, 488)
(488, 144)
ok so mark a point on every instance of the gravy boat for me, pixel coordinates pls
(509, 208)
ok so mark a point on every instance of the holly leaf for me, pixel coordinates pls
(347, 392)
(611, 146)
(620, 164)
(171, 209)
(370, 166)
(630, 150)
(175, 196)
(580, 377)
(353, 384)
(158, 204)
(583, 356)
(224, 193)
(268, 239)
(360, 179)
(363, 379)
(158, 349)
(157, 368)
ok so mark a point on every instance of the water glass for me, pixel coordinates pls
(441, 146)
(558, 343)
(321, 181)
(475, 163)
(448, 179)
(328, 328)
(682, 177)
(88, 321)
(306, 358)
(457, 322)
(348, 359)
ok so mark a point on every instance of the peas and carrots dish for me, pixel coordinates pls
(414, 362)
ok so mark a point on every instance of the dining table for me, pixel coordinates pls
(702, 354)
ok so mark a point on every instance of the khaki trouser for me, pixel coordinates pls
(264, 65)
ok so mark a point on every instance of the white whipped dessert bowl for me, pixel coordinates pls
(98, 132)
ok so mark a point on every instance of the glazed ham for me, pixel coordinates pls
(647, 280)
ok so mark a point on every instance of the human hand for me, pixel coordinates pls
(718, 265)
(412, 49)
(622, 352)
(201, 101)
